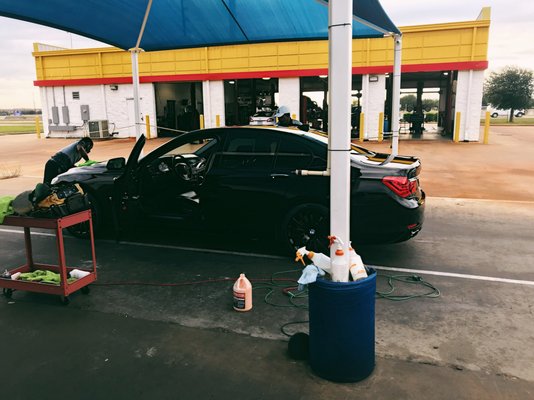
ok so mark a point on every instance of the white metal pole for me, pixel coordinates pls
(135, 72)
(135, 81)
(395, 100)
(340, 85)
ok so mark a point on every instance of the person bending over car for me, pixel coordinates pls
(65, 158)
(284, 119)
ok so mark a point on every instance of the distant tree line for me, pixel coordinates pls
(409, 102)
(20, 111)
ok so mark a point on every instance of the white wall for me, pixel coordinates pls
(469, 90)
(103, 103)
(213, 95)
(289, 95)
(117, 105)
(372, 102)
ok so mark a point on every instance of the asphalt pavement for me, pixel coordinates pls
(159, 321)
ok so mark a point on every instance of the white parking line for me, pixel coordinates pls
(454, 275)
(162, 246)
(165, 246)
(469, 199)
(33, 233)
(237, 253)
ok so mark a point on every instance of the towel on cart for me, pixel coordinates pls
(5, 207)
(43, 276)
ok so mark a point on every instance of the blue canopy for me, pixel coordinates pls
(174, 24)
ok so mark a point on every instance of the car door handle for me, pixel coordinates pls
(274, 176)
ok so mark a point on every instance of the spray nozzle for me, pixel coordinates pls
(334, 239)
(300, 255)
(331, 239)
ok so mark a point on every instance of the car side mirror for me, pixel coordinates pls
(116, 163)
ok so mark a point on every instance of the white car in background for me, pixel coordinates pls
(263, 118)
(494, 113)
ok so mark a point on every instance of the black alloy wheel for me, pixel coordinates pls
(307, 225)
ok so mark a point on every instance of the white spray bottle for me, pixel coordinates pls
(357, 268)
(319, 259)
(339, 264)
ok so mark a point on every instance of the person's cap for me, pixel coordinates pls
(87, 143)
(281, 111)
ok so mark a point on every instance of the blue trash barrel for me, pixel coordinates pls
(342, 328)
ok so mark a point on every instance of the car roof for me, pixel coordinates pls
(312, 134)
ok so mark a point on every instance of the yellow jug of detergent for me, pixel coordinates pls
(242, 294)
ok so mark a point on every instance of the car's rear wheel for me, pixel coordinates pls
(82, 230)
(494, 115)
(307, 225)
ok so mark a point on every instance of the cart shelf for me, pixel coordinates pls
(64, 289)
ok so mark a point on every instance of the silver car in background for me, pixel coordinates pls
(263, 118)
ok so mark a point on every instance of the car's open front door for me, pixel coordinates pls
(124, 200)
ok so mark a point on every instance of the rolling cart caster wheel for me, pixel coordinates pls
(85, 289)
(64, 300)
(7, 293)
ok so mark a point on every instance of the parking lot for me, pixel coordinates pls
(146, 330)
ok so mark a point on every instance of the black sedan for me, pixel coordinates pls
(243, 179)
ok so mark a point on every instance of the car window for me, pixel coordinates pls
(293, 153)
(248, 150)
(195, 146)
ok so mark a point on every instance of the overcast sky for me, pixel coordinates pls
(511, 39)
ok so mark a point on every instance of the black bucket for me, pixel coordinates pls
(342, 328)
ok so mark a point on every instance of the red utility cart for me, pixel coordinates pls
(64, 289)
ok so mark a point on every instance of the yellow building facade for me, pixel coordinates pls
(98, 75)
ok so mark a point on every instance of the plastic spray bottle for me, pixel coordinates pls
(339, 265)
(357, 268)
(242, 294)
(319, 259)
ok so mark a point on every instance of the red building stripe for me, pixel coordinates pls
(381, 69)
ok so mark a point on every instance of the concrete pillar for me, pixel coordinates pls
(374, 95)
(213, 95)
(469, 90)
(289, 94)
(45, 110)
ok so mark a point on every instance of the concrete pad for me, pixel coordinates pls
(55, 351)
(497, 171)
(185, 341)
(172, 339)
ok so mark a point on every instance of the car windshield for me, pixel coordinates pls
(263, 114)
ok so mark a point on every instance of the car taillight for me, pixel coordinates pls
(400, 185)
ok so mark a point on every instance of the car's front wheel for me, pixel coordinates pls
(307, 225)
